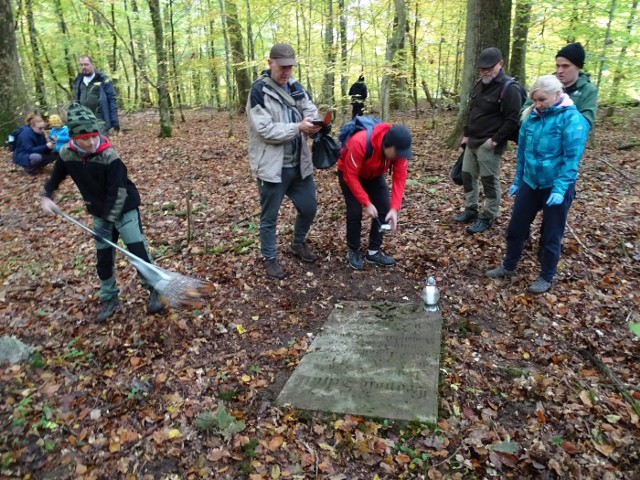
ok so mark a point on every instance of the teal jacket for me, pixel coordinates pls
(550, 146)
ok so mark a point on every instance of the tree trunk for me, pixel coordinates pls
(38, 74)
(395, 42)
(69, 61)
(488, 25)
(344, 82)
(214, 98)
(328, 82)
(607, 41)
(113, 58)
(234, 30)
(251, 49)
(132, 47)
(619, 73)
(177, 85)
(13, 92)
(161, 61)
(145, 96)
(519, 40)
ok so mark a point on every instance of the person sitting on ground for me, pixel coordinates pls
(110, 197)
(33, 152)
(551, 141)
(59, 133)
(365, 188)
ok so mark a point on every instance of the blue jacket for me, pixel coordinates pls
(550, 147)
(107, 96)
(62, 137)
(28, 142)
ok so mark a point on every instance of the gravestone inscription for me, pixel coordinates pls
(378, 359)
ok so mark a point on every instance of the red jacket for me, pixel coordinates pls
(353, 166)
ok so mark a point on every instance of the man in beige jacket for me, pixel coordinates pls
(280, 114)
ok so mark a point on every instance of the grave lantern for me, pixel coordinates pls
(431, 296)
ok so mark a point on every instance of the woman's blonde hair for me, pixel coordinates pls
(548, 84)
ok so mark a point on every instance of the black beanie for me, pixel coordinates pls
(81, 120)
(574, 52)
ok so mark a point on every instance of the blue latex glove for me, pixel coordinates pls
(513, 189)
(555, 199)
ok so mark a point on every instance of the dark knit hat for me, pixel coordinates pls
(489, 57)
(399, 137)
(81, 121)
(574, 52)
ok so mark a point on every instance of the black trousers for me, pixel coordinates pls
(356, 109)
(378, 193)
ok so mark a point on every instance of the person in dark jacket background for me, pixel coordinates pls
(491, 121)
(94, 90)
(359, 94)
(33, 151)
(109, 196)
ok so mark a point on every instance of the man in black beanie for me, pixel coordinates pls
(569, 62)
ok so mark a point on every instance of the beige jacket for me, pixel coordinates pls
(272, 123)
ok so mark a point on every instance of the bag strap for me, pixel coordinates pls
(288, 99)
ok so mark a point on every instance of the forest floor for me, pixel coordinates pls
(530, 386)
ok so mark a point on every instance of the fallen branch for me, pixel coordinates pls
(617, 169)
(607, 372)
(628, 146)
(586, 250)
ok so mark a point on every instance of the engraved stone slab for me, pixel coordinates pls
(372, 359)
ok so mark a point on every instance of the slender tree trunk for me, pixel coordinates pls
(174, 68)
(161, 60)
(113, 58)
(13, 92)
(413, 41)
(488, 25)
(38, 80)
(519, 40)
(251, 49)
(145, 96)
(215, 77)
(395, 42)
(344, 83)
(134, 62)
(68, 58)
(328, 82)
(607, 41)
(619, 73)
(241, 73)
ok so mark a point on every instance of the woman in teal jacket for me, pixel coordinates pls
(550, 145)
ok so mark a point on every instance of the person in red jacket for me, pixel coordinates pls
(365, 188)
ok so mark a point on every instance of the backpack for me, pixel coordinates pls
(523, 97)
(360, 122)
(12, 140)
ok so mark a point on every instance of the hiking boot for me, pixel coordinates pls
(479, 226)
(273, 269)
(303, 252)
(354, 257)
(379, 258)
(539, 286)
(109, 307)
(154, 305)
(499, 272)
(466, 217)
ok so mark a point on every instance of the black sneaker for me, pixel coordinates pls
(379, 258)
(479, 226)
(108, 309)
(467, 216)
(154, 305)
(303, 252)
(273, 268)
(355, 260)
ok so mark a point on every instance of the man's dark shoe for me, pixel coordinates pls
(479, 226)
(499, 272)
(273, 268)
(154, 305)
(539, 286)
(355, 260)
(303, 252)
(108, 309)
(467, 216)
(379, 258)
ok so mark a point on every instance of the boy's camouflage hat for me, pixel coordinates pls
(81, 121)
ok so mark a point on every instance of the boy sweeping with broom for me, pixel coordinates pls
(110, 197)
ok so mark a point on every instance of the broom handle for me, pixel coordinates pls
(84, 227)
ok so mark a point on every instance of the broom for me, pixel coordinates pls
(179, 290)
